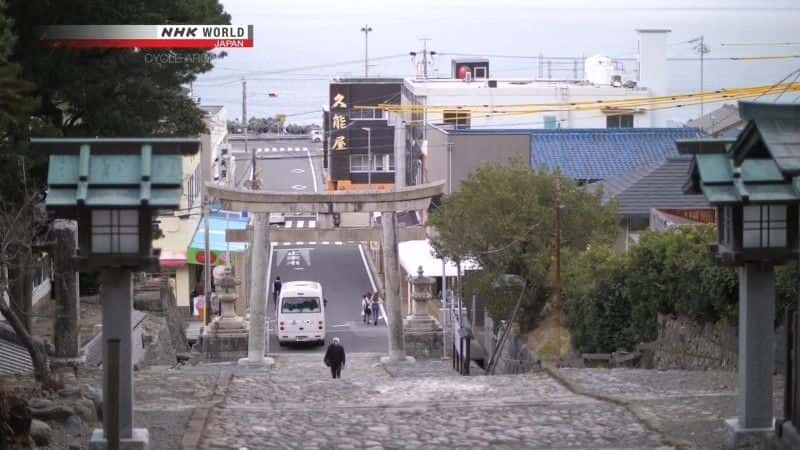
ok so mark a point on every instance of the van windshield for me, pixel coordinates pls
(300, 305)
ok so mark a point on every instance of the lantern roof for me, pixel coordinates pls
(762, 165)
(118, 172)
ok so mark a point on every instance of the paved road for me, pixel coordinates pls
(283, 165)
(296, 166)
(344, 278)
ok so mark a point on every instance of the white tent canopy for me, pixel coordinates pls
(413, 254)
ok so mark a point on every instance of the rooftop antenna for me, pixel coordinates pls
(702, 49)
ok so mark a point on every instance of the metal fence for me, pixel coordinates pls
(791, 399)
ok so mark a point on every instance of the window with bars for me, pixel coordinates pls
(383, 163)
(115, 231)
(358, 163)
(764, 226)
(460, 119)
(366, 114)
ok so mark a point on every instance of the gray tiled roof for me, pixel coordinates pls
(723, 121)
(653, 186)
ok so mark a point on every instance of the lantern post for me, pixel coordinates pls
(113, 188)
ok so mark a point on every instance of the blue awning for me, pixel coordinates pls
(218, 222)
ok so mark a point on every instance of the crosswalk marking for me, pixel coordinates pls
(273, 150)
(312, 223)
(288, 224)
(285, 244)
(300, 223)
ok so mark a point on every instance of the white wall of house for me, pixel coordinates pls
(443, 92)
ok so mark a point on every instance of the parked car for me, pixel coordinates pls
(316, 136)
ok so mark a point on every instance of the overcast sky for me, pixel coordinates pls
(295, 34)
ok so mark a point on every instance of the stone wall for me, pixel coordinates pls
(424, 345)
(685, 344)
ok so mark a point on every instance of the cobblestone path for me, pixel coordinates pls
(689, 407)
(425, 405)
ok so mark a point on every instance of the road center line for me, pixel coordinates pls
(366, 267)
(313, 172)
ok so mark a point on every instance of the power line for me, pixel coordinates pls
(224, 79)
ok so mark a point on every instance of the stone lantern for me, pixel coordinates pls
(226, 292)
(754, 182)
(421, 333)
(227, 335)
(113, 188)
(421, 294)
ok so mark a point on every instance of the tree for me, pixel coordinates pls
(504, 218)
(20, 225)
(84, 92)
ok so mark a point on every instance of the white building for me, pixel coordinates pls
(475, 94)
(179, 228)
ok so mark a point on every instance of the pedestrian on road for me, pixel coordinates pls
(334, 358)
(276, 291)
(366, 308)
(376, 308)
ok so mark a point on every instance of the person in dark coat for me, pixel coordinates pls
(334, 358)
(276, 291)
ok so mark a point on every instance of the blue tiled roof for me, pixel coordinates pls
(600, 153)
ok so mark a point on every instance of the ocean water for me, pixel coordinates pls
(301, 45)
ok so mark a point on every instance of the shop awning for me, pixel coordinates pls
(218, 222)
(413, 254)
(171, 259)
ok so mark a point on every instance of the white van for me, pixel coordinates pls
(301, 312)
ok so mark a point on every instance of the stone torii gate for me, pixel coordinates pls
(388, 203)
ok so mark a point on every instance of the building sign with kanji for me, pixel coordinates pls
(338, 120)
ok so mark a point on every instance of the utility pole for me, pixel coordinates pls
(425, 54)
(244, 128)
(702, 49)
(558, 266)
(425, 57)
(366, 29)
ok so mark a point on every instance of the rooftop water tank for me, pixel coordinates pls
(598, 69)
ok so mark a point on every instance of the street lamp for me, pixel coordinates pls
(369, 156)
(366, 29)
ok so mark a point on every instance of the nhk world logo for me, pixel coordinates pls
(203, 37)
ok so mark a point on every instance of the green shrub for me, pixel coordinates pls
(612, 301)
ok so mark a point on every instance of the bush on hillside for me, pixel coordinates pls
(612, 301)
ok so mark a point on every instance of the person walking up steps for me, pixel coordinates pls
(366, 309)
(376, 308)
(335, 358)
